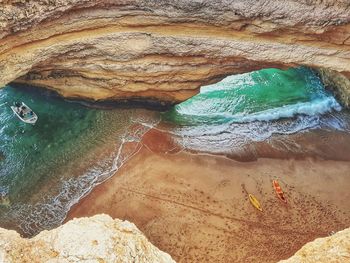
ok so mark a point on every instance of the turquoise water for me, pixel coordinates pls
(264, 95)
(46, 167)
(63, 132)
(235, 114)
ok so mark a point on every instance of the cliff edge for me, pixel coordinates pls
(95, 239)
(333, 249)
(102, 239)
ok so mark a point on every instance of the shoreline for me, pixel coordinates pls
(186, 203)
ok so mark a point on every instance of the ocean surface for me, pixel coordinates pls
(265, 95)
(267, 105)
(48, 167)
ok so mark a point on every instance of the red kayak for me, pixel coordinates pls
(279, 191)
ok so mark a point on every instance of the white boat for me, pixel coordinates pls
(24, 113)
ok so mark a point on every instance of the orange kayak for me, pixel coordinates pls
(279, 191)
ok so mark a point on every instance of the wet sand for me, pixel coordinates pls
(195, 206)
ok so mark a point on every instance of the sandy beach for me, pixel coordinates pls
(195, 206)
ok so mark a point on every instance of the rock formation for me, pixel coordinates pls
(102, 239)
(335, 248)
(164, 50)
(95, 239)
(338, 83)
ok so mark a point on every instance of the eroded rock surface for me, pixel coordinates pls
(337, 83)
(333, 249)
(95, 239)
(164, 49)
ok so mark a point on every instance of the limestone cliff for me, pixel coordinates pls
(102, 239)
(331, 249)
(95, 239)
(164, 49)
(338, 83)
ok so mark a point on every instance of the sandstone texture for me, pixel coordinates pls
(337, 83)
(333, 249)
(96, 239)
(164, 49)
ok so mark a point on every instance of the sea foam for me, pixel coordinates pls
(264, 95)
